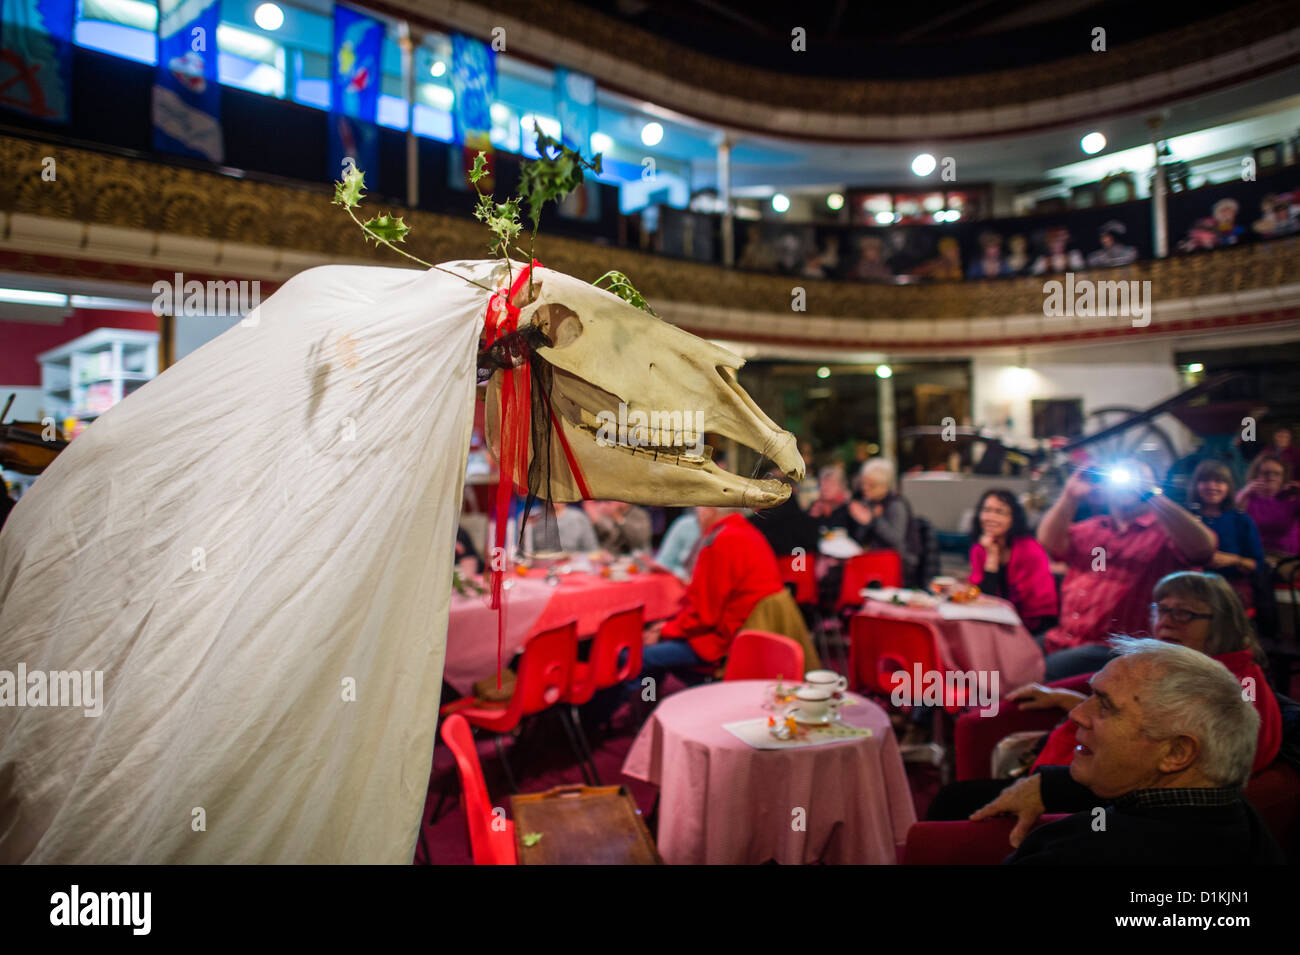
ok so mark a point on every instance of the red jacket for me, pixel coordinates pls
(1059, 750)
(734, 569)
(1031, 586)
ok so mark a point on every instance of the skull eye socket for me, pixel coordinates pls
(559, 323)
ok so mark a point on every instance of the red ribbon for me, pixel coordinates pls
(516, 426)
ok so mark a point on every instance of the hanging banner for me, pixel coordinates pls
(575, 105)
(186, 92)
(355, 140)
(36, 57)
(358, 49)
(474, 85)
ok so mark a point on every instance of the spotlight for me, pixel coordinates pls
(600, 143)
(780, 203)
(923, 164)
(884, 218)
(1195, 367)
(269, 17)
(651, 134)
(438, 68)
(823, 372)
(884, 371)
(835, 202)
(1093, 143)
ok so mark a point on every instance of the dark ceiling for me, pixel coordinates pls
(864, 39)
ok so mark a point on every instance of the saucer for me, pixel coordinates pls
(799, 717)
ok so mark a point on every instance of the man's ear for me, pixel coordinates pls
(1181, 753)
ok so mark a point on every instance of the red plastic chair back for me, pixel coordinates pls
(489, 846)
(880, 647)
(875, 566)
(759, 655)
(618, 632)
(542, 679)
(804, 580)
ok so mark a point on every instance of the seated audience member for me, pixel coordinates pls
(678, 546)
(1113, 561)
(1272, 500)
(1165, 745)
(734, 572)
(829, 509)
(882, 518)
(1284, 447)
(620, 528)
(468, 561)
(1006, 561)
(1194, 610)
(1240, 556)
(786, 527)
(577, 536)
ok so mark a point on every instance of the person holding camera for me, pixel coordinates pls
(1113, 561)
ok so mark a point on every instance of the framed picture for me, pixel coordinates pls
(1116, 188)
(1266, 157)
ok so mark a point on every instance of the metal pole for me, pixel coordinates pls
(724, 193)
(1159, 189)
(888, 420)
(407, 44)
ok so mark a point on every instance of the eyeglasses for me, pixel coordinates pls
(1178, 615)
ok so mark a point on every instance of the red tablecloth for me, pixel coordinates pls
(975, 644)
(723, 802)
(533, 605)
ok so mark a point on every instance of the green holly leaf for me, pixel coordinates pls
(480, 168)
(388, 228)
(532, 838)
(348, 192)
(622, 286)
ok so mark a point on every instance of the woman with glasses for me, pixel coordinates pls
(1199, 611)
(1240, 557)
(1272, 500)
(1007, 561)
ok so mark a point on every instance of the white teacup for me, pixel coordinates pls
(814, 702)
(826, 679)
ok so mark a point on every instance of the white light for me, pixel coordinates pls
(651, 134)
(1120, 476)
(835, 202)
(823, 372)
(438, 68)
(551, 127)
(269, 17)
(22, 296)
(600, 143)
(500, 113)
(1093, 143)
(884, 371)
(1195, 367)
(780, 203)
(884, 218)
(923, 164)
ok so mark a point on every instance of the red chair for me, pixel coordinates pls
(758, 655)
(802, 576)
(489, 845)
(617, 633)
(962, 842)
(541, 681)
(878, 649)
(975, 736)
(884, 567)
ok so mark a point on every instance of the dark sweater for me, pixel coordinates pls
(1138, 834)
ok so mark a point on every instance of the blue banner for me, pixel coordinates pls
(357, 71)
(575, 105)
(474, 84)
(357, 140)
(186, 92)
(36, 57)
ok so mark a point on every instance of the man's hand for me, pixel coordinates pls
(1024, 799)
(860, 512)
(1079, 486)
(1035, 696)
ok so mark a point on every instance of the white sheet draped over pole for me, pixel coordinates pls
(255, 549)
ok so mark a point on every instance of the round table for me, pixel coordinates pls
(723, 802)
(974, 645)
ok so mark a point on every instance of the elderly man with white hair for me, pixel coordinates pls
(880, 518)
(1164, 747)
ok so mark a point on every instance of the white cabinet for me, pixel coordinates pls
(90, 374)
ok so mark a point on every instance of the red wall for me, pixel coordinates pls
(21, 342)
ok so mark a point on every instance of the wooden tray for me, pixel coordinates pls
(582, 825)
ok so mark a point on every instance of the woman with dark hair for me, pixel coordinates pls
(1272, 500)
(1240, 555)
(1007, 561)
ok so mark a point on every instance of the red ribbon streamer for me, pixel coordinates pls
(516, 426)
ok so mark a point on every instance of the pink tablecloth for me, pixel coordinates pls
(722, 802)
(533, 605)
(975, 644)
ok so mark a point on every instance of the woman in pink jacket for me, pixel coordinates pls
(1007, 561)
